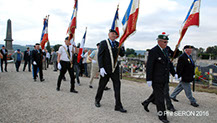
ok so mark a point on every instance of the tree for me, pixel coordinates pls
(130, 51)
(48, 47)
(56, 47)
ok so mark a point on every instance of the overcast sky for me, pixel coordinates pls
(155, 17)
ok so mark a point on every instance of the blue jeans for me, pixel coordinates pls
(33, 71)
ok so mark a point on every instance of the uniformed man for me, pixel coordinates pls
(108, 52)
(27, 59)
(151, 98)
(157, 73)
(185, 70)
(65, 63)
(37, 58)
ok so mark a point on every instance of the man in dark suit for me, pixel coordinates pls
(185, 70)
(27, 59)
(4, 52)
(157, 74)
(107, 54)
(151, 98)
(37, 57)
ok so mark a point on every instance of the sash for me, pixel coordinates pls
(68, 57)
(111, 55)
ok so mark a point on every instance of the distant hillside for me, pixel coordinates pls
(141, 52)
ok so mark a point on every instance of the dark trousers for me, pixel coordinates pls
(77, 70)
(47, 60)
(158, 90)
(25, 63)
(85, 69)
(17, 65)
(35, 67)
(166, 95)
(5, 60)
(116, 85)
(66, 66)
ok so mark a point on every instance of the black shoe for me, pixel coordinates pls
(34, 80)
(121, 110)
(97, 104)
(42, 80)
(106, 88)
(172, 109)
(55, 70)
(58, 89)
(194, 104)
(90, 86)
(174, 99)
(73, 91)
(6, 71)
(165, 121)
(30, 71)
(145, 104)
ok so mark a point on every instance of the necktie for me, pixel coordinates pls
(191, 59)
(68, 50)
(113, 44)
(165, 52)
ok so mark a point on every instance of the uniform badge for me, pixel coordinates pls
(159, 58)
(189, 60)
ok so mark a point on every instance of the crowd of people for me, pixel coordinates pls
(101, 63)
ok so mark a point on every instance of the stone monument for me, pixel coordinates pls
(8, 40)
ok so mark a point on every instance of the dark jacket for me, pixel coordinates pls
(27, 56)
(4, 55)
(37, 57)
(104, 59)
(158, 66)
(185, 68)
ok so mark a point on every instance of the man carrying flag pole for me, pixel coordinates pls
(44, 36)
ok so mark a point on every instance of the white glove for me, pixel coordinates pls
(176, 77)
(102, 72)
(94, 61)
(149, 83)
(34, 63)
(194, 76)
(59, 66)
(73, 44)
(43, 50)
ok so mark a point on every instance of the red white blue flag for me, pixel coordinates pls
(80, 53)
(130, 19)
(115, 22)
(73, 23)
(191, 19)
(44, 36)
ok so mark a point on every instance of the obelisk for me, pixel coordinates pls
(8, 40)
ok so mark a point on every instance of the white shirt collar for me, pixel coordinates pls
(160, 47)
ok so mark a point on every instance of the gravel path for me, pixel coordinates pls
(22, 100)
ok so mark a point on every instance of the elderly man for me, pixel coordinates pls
(107, 54)
(27, 59)
(37, 59)
(157, 73)
(17, 59)
(185, 70)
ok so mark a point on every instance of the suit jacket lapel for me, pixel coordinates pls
(160, 52)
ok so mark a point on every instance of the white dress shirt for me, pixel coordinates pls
(63, 53)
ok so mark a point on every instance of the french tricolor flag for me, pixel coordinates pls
(129, 20)
(191, 19)
(80, 53)
(115, 22)
(73, 23)
(44, 36)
